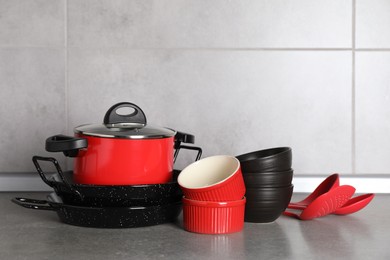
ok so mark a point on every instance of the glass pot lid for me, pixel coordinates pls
(125, 120)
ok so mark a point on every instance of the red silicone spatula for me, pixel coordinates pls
(355, 204)
(326, 185)
(351, 206)
(325, 204)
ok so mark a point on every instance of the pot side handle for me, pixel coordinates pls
(69, 145)
(184, 138)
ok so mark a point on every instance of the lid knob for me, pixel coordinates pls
(113, 118)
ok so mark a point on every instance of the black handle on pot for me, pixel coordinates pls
(34, 204)
(35, 160)
(134, 118)
(69, 145)
(182, 137)
(185, 138)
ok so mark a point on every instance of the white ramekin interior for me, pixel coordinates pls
(208, 171)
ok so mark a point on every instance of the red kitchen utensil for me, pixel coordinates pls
(325, 204)
(351, 206)
(330, 182)
(355, 204)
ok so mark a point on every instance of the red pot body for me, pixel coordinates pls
(120, 161)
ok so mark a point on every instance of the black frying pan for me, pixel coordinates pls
(106, 217)
(110, 195)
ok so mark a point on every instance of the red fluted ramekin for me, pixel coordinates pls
(215, 178)
(210, 217)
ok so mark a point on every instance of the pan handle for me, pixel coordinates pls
(35, 160)
(185, 138)
(199, 154)
(59, 171)
(34, 204)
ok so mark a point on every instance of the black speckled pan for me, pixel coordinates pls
(117, 196)
(108, 217)
(113, 196)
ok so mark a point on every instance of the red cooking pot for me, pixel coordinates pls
(124, 150)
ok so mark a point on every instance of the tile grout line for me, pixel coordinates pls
(204, 49)
(227, 49)
(353, 112)
(66, 72)
(66, 61)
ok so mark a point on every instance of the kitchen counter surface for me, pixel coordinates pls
(36, 234)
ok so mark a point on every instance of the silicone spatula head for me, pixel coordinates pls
(328, 202)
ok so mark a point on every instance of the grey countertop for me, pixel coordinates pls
(35, 234)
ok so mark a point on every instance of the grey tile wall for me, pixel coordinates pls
(373, 112)
(210, 24)
(372, 24)
(235, 102)
(33, 104)
(35, 23)
(372, 86)
(240, 75)
(32, 79)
